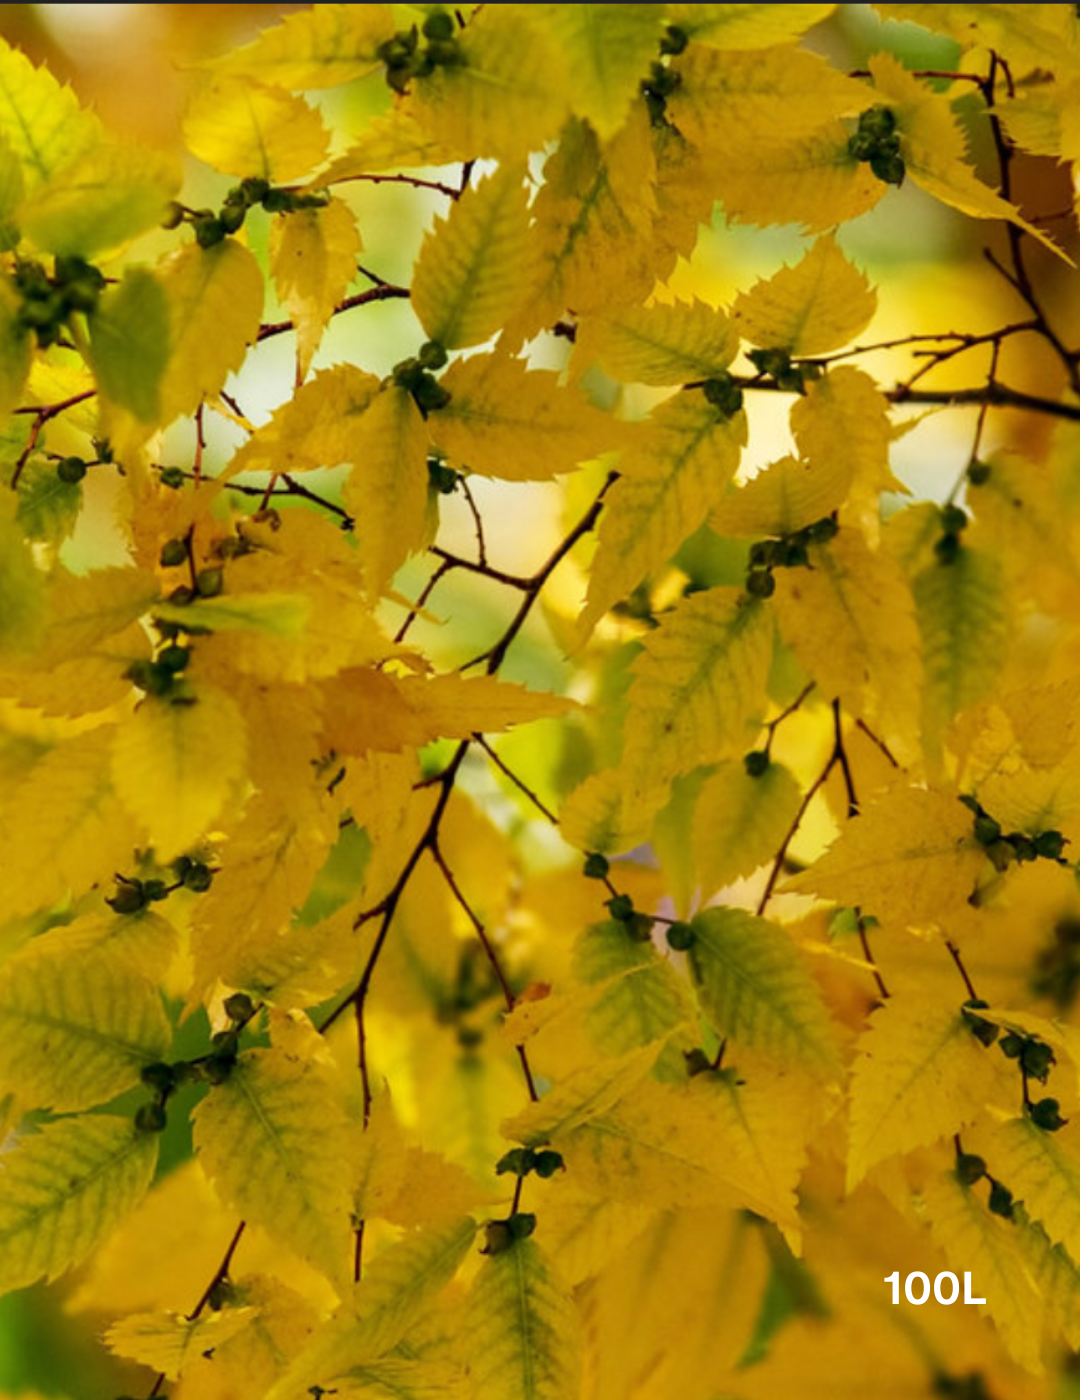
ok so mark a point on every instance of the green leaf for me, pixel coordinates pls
(523, 1329)
(76, 1026)
(754, 987)
(48, 506)
(398, 1287)
(292, 1175)
(473, 270)
(66, 1188)
(129, 343)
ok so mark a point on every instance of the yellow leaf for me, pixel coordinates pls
(379, 1168)
(400, 1283)
(739, 822)
(169, 1342)
(658, 344)
(606, 49)
(523, 1329)
(386, 491)
(698, 685)
(1029, 36)
(41, 120)
(909, 859)
(312, 261)
(64, 827)
(747, 26)
(517, 424)
(312, 429)
(597, 817)
(721, 93)
(1041, 1169)
(784, 497)
(22, 591)
(15, 352)
(984, 1245)
(243, 127)
(215, 298)
(821, 303)
(849, 617)
(66, 1188)
(934, 149)
(78, 1026)
(846, 406)
(589, 1093)
(755, 988)
(671, 475)
(276, 1106)
(85, 609)
(316, 48)
(921, 1074)
(473, 270)
(490, 103)
(174, 765)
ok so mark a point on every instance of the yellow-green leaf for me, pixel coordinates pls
(129, 343)
(41, 119)
(312, 261)
(755, 988)
(215, 299)
(909, 859)
(784, 497)
(523, 1330)
(920, 1075)
(821, 303)
(640, 997)
(316, 48)
(174, 763)
(1042, 1169)
(607, 49)
(739, 821)
(169, 1342)
(315, 428)
(516, 424)
(671, 475)
(104, 197)
(747, 26)
(76, 1026)
(279, 1108)
(245, 127)
(65, 1189)
(473, 270)
(399, 1284)
(15, 351)
(659, 344)
(698, 685)
(386, 491)
(22, 588)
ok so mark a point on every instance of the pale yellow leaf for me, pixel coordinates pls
(658, 344)
(312, 261)
(821, 303)
(174, 764)
(243, 127)
(320, 47)
(784, 497)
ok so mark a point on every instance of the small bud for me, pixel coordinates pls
(197, 877)
(431, 354)
(978, 473)
(756, 763)
(519, 1161)
(209, 230)
(987, 830)
(173, 553)
(172, 477)
(1049, 844)
(760, 583)
(71, 470)
(438, 25)
(522, 1224)
(239, 1007)
(697, 1062)
(155, 891)
(1012, 1045)
(621, 907)
(953, 519)
(209, 582)
(1001, 1200)
(497, 1237)
(129, 898)
(1045, 1115)
(174, 215)
(548, 1163)
(159, 1076)
(232, 217)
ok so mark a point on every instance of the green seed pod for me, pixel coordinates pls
(522, 1224)
(596, 866)
(1012, 1045)
(254, 189)
(953, 519)
(1037, 1057)
(172, 477)
(621, 907)
(174, 658)
(680, 937)
(239, 1007)
(674, 40)
(519, 1161)
(987, 830)
(760, 583)
(232, 217)
(129, 897)
(548, 1163)
(71, 470)
(197, 877)
(1001, 1200)
(209, 230)
(697, 1062)
(438, 25)
(150, 676)
(1049, 844)
(640, 926)
(969, 1168)
(756, 763)
(173, 553)
(978, 473)
(209, 582)
(150, 1118)
(174, 215)
(432, 355)
(498, 1237)
(159, 1077)
(155, 891)
(947, 547)
(1045, 1115)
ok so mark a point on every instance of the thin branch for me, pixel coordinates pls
(414, 612)
(518, 782)
(478, 523)
(43, 415)
(954, 953)
(414, 181)
(382, 291)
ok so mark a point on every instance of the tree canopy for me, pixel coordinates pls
(539, 715)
